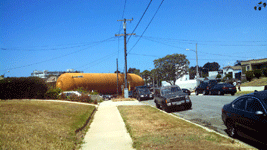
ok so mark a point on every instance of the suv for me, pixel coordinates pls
(142, 92)
(205, 87)
(171, 96)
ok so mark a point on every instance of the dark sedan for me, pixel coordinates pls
(247, 114)
(186, 91)
(222, 88)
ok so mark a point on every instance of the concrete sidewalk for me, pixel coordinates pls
(108, 131)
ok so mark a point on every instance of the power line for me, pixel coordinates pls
(55, 57)
(146, 27)
(53, 49)
(140, 20)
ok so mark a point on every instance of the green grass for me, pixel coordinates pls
(256, 82)
(153, 129)
(41, 125)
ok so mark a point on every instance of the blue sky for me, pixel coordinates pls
(57, 35)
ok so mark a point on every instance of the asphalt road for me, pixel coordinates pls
(206, 110)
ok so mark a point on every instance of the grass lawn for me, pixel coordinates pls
(256, 82)
(153, 129)
(41, 125)
(239, 93)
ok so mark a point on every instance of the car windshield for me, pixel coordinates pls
(144, 90)
(170, 90)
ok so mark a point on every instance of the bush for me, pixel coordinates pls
(53, 93)
(24, 87)
(249, 75)
(218, 76)
(257, 73)
(264, 71)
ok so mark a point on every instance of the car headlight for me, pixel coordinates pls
(142, 95)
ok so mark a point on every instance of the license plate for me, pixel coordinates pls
(177, 103)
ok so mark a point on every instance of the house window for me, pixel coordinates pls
(247, 68)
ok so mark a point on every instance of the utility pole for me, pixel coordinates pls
(117, 80)
(197, 62)
(125, 54)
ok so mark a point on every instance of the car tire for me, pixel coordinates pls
(167, 109)
(196, 92)
(232, 94)
(189, 105)
(157, 105)
(231, 129)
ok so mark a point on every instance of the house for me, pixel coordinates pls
(249, 65)
(235, 71)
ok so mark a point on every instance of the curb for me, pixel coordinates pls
(87, 121)
(205, 128)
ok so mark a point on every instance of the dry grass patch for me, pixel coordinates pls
(256, 82)
(123, 99)
(153, 129)
(41, 125)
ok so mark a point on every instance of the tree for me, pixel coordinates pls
(116, 71)
(134, 70)
(145, 74)
(210, 67)
(260, 4)
(237, 63)
(171, 67)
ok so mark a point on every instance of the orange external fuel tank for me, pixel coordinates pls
(101, 82)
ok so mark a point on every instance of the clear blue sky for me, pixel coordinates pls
(57, 35)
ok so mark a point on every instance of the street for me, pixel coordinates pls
(206, 110)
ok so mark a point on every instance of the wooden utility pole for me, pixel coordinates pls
(125, 54)
(117, 79)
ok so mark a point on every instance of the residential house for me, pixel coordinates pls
(235, 71)
(249, 65)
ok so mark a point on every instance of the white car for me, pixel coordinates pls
(68, 93)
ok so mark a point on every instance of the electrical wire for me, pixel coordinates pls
(139, 21)
(146, 27)
(55, 57)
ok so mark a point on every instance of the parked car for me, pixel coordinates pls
(186, 91)
(142, 92)
(205, 86)
(69, 93)
(107, 97)
(130, 94)
(222, 88)
(246, 114)
(168, 97)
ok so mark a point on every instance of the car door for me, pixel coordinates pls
(255, 123)
(238, 112)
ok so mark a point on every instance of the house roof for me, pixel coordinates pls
(254, 61)
(233, 67)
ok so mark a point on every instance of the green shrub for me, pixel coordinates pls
(257, 73)
(249, 75)
(264, 71)
(53, 93)
(218, 76)
(23, 87)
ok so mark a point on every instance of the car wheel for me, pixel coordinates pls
(196, 92)
(166, 108)
(189, 105)
(157, 105)
(231, 129)
(232, 94)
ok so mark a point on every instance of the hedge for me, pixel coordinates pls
(23, 87)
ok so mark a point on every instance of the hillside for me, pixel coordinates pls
(256, 82)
